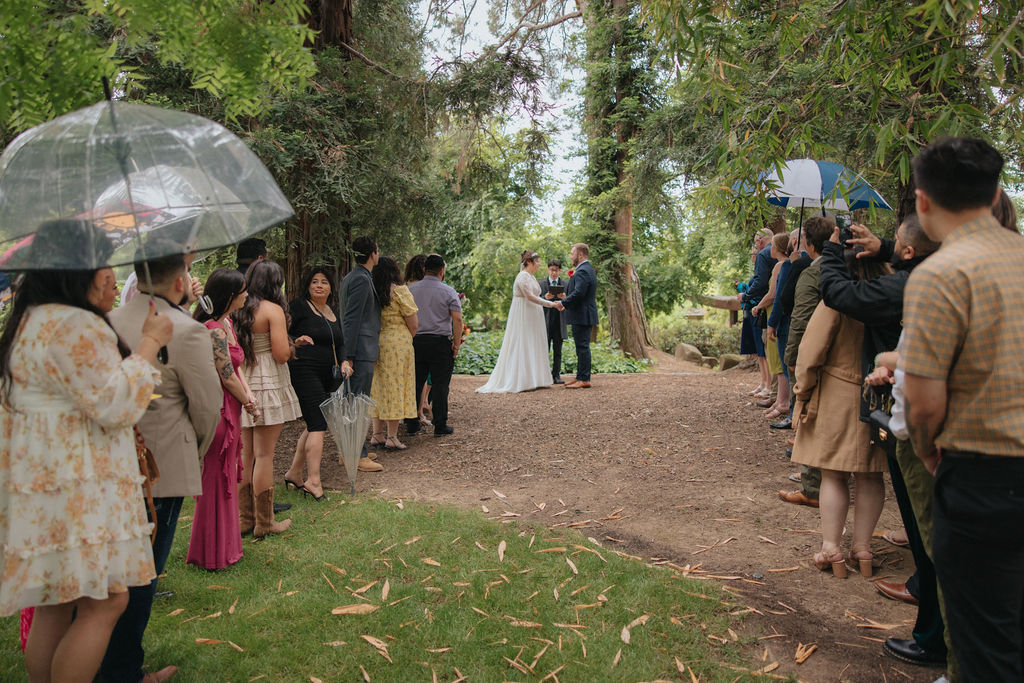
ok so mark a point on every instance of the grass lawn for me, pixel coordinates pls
(435, 594)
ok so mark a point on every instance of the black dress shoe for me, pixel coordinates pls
(412, 429)
(910, 652)
(281, 507)
(784, 424)
(443, 431)
(558, 380)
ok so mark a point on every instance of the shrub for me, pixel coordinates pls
(480, 352)
(711, 339)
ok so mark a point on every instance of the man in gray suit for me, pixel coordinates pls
(178, 427)
(360, 326)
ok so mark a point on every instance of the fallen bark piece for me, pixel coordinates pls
(358, 608)
(803, 652)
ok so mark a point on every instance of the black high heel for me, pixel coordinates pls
(319, 499)
(289, 484)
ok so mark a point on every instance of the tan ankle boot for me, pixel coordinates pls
(265, 523)
(245, 513)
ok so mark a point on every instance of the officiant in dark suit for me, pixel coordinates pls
(554, 319)
(580, 305)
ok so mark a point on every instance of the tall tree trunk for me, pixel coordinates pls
(612, 80)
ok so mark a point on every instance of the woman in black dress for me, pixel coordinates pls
(313, 315)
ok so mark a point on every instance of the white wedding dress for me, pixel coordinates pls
(523, 360)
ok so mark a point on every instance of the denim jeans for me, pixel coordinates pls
(123, 660)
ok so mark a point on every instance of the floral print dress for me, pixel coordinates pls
(72, 515)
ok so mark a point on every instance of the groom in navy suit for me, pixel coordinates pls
(580, 305)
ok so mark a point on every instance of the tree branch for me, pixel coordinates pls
(366, 60)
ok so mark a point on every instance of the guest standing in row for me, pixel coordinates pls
(216, 540)
(262, 329)
(360, 326)
(71, 391)
(554, 319)
(314, 319)
(394, 376)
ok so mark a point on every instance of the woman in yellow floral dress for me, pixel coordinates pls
(73, 528)
(394, 375)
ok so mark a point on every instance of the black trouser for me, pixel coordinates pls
(929, 631)
(979, 552)
(123, 661)
(434, 357)
(555, 343)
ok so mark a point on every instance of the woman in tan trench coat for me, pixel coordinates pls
(830, 434)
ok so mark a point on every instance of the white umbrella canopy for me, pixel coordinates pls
(139, 172)
(348, 417)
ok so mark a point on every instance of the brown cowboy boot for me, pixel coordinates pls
(245, 513)
(265, 523)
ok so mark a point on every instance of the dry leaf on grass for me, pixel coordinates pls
(219, 588)
(618, 656)
(380, 645)
(336, 643)
(431, 561)
(523, 624)
(440, 650)
(175, 612)
(385, 590)
(360, 591)
(231, 610)
(639, 621)
(208, 641)
(556, 549)
(413, 540)
(358, 608)
(501, 552)
(572, 566)
(337, 569)
(314, 679)
(485, 509)
(366, 676)
(498, 493)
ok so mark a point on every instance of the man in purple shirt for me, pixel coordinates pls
(437, 340)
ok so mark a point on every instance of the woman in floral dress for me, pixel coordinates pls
(73, 528)
(394, 375)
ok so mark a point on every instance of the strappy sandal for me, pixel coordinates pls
(836, 562)
(393, 444)
(864, 558)
(289, 484)
(425, 422)
(377, 443)
(775, 413)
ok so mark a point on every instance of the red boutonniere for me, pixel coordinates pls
(571, 271)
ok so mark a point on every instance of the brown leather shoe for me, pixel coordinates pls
(163, 674)
(571, 383)
(797, 498)
(895, 591)
(367, 465)
(578, 385)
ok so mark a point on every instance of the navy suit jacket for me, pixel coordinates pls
(360, 316)
(581, 296)
(758, 285)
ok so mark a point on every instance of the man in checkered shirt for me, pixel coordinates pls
(964, 364)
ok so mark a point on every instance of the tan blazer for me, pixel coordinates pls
(829, 433)
(180, 425)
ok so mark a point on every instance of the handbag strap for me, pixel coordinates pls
(330, 330)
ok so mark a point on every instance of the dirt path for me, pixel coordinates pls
(674, 466)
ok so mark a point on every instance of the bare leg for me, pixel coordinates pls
(867, 508)
(314, 451)
(49, 625)
(294, 472)
(264, 439)
(425, 411)
(834, 503)
(766, 377)
(392, 440)
(79, 652)
(782, 400)
(248, 457)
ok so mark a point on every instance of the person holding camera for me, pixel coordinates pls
(315, 373)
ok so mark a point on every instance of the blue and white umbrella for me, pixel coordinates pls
(809, 183)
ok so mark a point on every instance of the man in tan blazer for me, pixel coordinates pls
(178, 427)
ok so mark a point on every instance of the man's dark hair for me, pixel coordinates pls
(249, 250)
(163, 269)
(434, 264)
(915, 236)
(363, 248)
(818, 229)
(959, 173)
(554, 262)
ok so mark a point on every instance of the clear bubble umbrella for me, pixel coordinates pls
(348, 417)
(139, 172)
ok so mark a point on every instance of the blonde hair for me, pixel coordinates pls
(581, 248)
(781, 243)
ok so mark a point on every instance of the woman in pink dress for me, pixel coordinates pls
(216, 538)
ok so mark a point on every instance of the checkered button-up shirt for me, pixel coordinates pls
(963, 318)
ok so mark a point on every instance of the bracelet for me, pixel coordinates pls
(158, 342)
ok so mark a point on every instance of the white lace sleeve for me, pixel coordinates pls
(527, 287)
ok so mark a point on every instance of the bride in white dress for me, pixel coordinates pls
(523, 360)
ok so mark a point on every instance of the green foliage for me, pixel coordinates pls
(713, 339)
(433, 573)
(54, 52)
(866, 84)
(480, 352)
